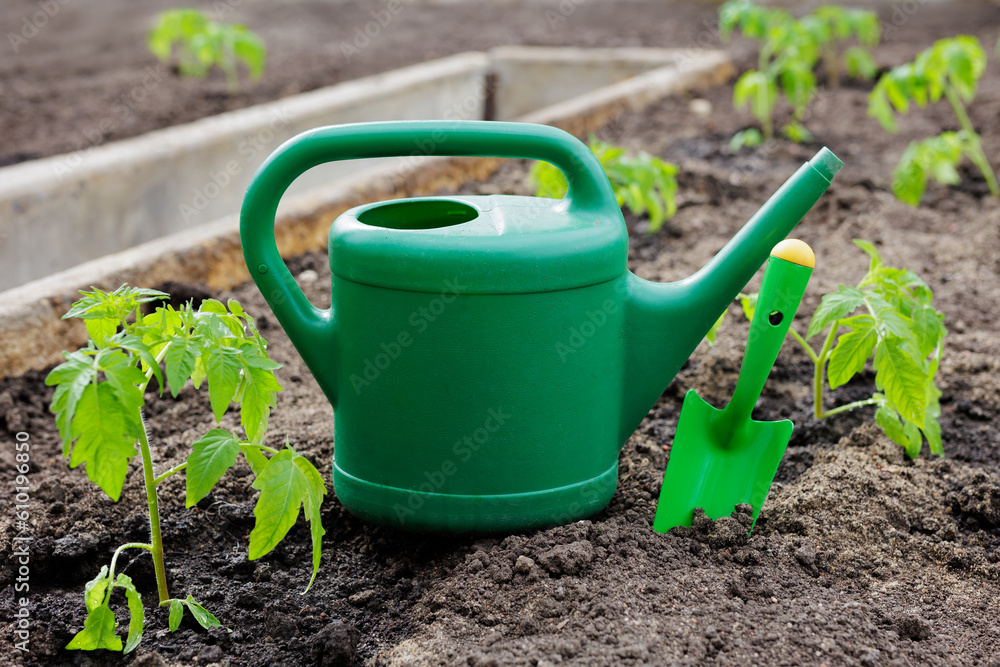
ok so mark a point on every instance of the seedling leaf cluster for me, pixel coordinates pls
(899, 331)
(644, 183)
(100, 392)
(201, 44)
(949, 69)
(789, 52)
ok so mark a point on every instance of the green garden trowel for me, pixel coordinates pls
(722, 458)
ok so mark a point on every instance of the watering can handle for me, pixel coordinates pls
(312, 329)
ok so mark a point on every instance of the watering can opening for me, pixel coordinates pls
(421, 214)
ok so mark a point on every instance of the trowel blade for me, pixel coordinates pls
(717, 472)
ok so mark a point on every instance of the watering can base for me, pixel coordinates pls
(417, 510)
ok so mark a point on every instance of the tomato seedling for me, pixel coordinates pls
(832, 26)
(951, 68)
(899, 330)
(98, 401)
(642, 183)
(202, 44)
(787, 57)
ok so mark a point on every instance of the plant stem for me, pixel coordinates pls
(763, 66)
(156, 539)
(975, 146)
(130, 545)
(849, 406)
(176, 469)
(802, 341)
(154, 515)
(269, 450)
(169, 473)
(832, 70)
(820, 368)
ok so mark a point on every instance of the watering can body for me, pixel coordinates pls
(488, 356)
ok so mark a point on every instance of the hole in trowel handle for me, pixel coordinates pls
(775, 318)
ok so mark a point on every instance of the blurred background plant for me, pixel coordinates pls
(951, 68)
(788, 54)
(644, 183)
(201, 44)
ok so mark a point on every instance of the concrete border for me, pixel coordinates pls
(34, 334)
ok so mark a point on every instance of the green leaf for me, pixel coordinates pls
(889, 319)
(123, 376)
(254, 457)
(283, 487)
(116, 306)
(928, 328)
(888, 420)
(798, 84)
(94, 590)
(932, 427)
(258, 399)
(549, 181)
(713, 332)
(880, 108)
(98, 632)
(176, 614)
(934, 157)
(315, 490)
(902, 378)
(914, 442)
(71, 377)
(223, 369)
(797, 132)
(137, 617)
(136, 346)
(203, 616)
(748, 302)
(101, 329)
(749, 138)
(105, 435)
(180, 359)
(833, 307)
(852, 350)
(210, 458)
(212, 306)
(758, 90)
(859, 63)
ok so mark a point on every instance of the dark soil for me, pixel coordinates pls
(860, 557)
(85, 77)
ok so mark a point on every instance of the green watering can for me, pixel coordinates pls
(488, 356)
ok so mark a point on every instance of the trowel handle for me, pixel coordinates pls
(785, 279)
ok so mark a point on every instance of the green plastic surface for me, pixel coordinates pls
(722, 458)
(487, 357)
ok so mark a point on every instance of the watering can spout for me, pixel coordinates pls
(666, 321)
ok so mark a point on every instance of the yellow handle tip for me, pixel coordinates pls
(795, 251)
